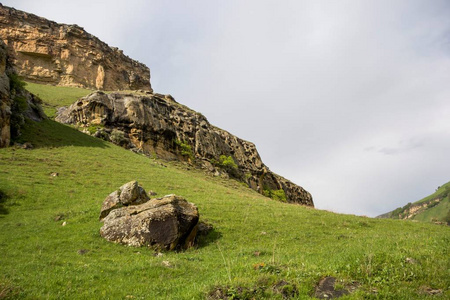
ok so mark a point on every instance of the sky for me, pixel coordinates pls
(348, 99)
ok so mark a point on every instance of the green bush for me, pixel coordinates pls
(226, 163)
(16, 83)
(185, 149)
(18, 107)
(279, 195)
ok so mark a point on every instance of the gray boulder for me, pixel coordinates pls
(165, 223)
(128, 194)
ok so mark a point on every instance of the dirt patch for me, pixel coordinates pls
(284, 288)
(326, 289)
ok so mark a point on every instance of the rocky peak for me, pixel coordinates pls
(158, 125)
(44, 51)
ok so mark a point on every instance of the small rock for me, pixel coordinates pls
(82, 251)
(166, 263)
(27, 146)
(410, 260)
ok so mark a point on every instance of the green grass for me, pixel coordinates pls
(435, 213)
(256, 243)
(56, 96)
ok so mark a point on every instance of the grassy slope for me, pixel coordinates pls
(56, 96)
(300, 245)
(438, 212)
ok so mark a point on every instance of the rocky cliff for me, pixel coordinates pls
(16, 103)
(47, 52)
(5, 100)
(157, 124)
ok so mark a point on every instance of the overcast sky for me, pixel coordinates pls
(349, 99)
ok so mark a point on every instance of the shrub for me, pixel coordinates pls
(16, 83)
(185, 149)
(279, 195)
(18, 107)
(226, 163)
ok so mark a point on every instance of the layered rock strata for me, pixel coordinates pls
(44, 51)
(157, 124)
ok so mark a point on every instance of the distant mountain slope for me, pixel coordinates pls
(433, 208)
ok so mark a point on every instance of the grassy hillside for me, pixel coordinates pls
(56, 96)
(433, 208)
(260, 248)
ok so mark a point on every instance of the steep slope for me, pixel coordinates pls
(433, 208)
(157, 125)
(59, 54)
(259, 248)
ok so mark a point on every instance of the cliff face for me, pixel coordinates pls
(157, 124)
(5, 100)
(16, 103)
(47, 52)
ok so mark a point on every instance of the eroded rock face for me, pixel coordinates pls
(157, 124)
(16, 103)
(5, 100)
(167, 223)
(44, 51)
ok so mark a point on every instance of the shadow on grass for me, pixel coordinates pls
(3, 209)
(49, 133)
(204, 240)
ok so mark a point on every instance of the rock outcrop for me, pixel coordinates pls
(5, 100)
(16, 103)
(166, 223)
(157, 124)
(44, 51)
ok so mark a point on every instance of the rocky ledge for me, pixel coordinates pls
(44, 51)
(156, 124)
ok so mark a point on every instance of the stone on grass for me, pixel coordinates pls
(165, 223)
(128, 194)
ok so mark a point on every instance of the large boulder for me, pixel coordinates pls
(166, 223)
